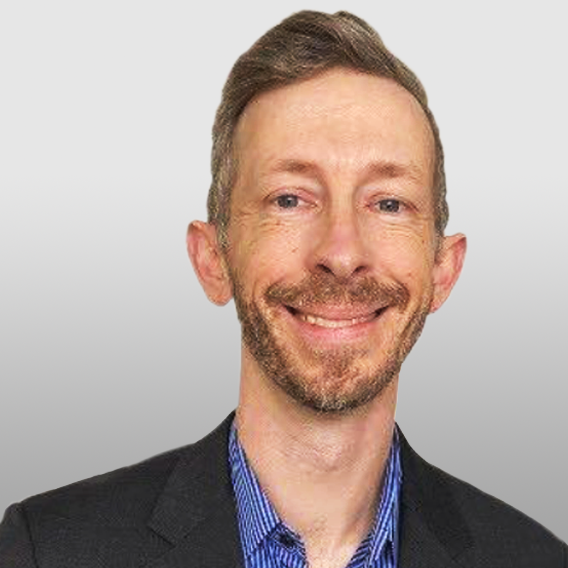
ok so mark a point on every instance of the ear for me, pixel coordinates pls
(208, 262)
(447, 268)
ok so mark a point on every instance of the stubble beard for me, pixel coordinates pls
(340, 385)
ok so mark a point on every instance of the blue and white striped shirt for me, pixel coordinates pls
(267, 541)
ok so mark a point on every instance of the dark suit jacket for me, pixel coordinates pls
(177, 510)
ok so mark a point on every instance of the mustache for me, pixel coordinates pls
(322, 288)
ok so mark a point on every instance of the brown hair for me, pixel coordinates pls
(299, 48)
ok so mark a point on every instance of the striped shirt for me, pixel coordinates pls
(267, 542)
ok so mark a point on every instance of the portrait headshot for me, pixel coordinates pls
(283, 286)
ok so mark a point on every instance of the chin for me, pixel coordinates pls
(345, 392)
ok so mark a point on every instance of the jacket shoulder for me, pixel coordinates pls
(122, 519)
(473, 524)
(490, 515)
(123, 494)
(105, 515)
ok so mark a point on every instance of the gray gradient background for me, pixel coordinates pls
(110, 351)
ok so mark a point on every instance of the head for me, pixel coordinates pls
(327, 211)
(301, 47)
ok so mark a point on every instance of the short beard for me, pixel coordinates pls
(342, 387)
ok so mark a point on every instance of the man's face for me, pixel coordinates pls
(331, 238)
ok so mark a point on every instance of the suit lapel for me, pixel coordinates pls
(433, 533)
(196, 511)
(420, 547)
(213, 543)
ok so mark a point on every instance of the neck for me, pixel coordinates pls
(322, 473)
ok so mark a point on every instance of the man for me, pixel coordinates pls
(326, 225)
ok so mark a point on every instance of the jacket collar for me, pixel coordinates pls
(433, 531)
(196, 511)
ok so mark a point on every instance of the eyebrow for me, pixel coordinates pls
(391, 169)
(294, 166)
(385, 169)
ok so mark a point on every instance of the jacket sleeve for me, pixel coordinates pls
(16, 549)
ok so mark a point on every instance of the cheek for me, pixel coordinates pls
(267, 254)
(405, 255)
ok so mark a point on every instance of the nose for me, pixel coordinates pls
(339, 246)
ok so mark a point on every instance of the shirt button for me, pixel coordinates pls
(286, 540)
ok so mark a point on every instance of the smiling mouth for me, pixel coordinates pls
(334, 322)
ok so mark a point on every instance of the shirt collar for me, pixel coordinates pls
(257, 518)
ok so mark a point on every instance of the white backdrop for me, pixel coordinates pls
(110, 352)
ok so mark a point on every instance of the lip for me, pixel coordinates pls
(335, 335)
(336, 313)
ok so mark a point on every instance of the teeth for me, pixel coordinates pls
(314, 320)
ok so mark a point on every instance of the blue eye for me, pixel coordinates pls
(287, 201)
(389, 205)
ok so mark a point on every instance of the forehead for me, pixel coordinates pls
(340, 121)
